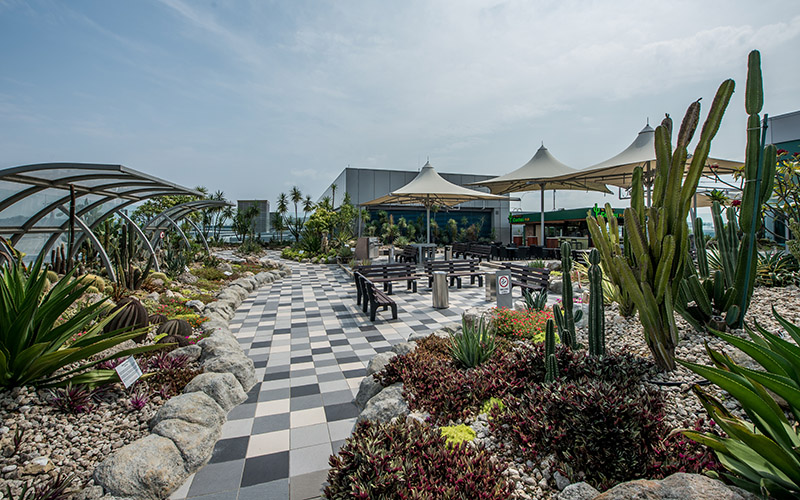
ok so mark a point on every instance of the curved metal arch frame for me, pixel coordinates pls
(176, 213)
(117, 175)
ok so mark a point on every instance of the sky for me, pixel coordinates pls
(255, 97)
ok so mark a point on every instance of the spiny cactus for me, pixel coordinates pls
(597, 320)
(700, 247)
(653, 270)
(178, 327)
(550, 361)
(132, 316)
(606, 238)
(566, 292)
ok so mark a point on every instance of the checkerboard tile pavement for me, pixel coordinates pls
(310, 344)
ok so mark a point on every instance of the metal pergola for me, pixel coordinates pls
(35, 202)
(171, 216)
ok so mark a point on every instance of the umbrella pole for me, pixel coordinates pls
(542, 242)
(428, 216)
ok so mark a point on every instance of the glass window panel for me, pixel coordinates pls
(18, 213)
(8, 189)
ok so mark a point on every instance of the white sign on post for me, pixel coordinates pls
(128, 371)
(503, 285)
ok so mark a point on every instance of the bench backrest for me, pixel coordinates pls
(451, 266)
(386, 270)
(527, 274)
(480, 249)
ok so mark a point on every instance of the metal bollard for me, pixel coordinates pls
(490, 284)
(448, 252)
(441, 294)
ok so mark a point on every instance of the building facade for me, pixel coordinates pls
(364, 185)
(261, 222)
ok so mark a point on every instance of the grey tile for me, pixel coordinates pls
(216, 478)
(305, 402)
(309, 435)
(337, 397)
(307, 486)
(274, 394)
(274, 490)
(309, 459)
(242, 411)
(271, 423)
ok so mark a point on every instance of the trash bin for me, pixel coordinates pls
(441, 297)
(448, 252)
(491, 287)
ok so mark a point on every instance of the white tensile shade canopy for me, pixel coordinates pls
(538, 174)
(618, 170)
(428, 188)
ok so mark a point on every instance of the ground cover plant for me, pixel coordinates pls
(391, 461)
(527, 324)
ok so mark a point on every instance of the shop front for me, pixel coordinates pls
(559, 226)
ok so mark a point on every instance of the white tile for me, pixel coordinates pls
(311, 416)
(272, 407)
(270, 442)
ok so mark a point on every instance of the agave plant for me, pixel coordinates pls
(762, 456)
(535, 302)
(34, 345)
(475, 344)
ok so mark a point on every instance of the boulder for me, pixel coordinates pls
(192, 352)
(194, 441)
(148, 468)
(219, 344)
(196, 305)
(404, 348)
(578, 491)
(240, 365)
(223, 388)
(386, 405)
(556, 286)
(379, 362)
(561, 481)
(367, 390)
(677, 486)
(225, 267)
(187, 278)
(193, 407)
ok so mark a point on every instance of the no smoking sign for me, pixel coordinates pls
(503, 285)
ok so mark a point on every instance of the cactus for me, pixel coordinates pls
(129, 276)
(728, 292)
(653, 270)
(567, 337)
(156, 319)
(597, 333)
(174, 339)
(700, 247)
(132, 317)
(179, 327)
(606, 238)
(550, 361)
(566, 323)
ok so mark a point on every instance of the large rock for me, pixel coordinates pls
(404, 348)
(386, 405)
(194, 441)
(240, 365)
(219, 344)
(379, 362)
(578, 491)
(195, 305)
(679, 486)
(194, 407)
(556, 286)
(367, 390)
(149, 468)
(187, 278)
(223, 388)
(192, 352)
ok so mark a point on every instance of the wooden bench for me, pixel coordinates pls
(409, 254)
(373, 298)
(528, 278)
(455, 269)
(460, 249)
(389, 273)
(479, 251)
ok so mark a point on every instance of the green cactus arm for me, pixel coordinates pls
(636, 238)
(768, 176)
(663, 161)
(664, 266)
(637, 196)
(754, 94)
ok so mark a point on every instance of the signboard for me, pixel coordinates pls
(518, 218)
(128, 371)
(503, 284)
(601, 211)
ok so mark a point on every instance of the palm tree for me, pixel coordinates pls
(308, 205)
(333, 194)
(281, 209)
(296, 197)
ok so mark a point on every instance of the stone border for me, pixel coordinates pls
(186, 428)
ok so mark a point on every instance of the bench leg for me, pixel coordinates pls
(414, 286)
(389, 292)
(365, 304)
(480, 280)
(372, 310)
(394, 310)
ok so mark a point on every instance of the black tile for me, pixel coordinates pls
(302, 359)
(259, 345)
(260, 364)
(266, 468)
(382, 349)
(347, 359)
(374, 338)
(335, 331)
(304, 390)
(270, 423)
(321, 350)
(229, 449)
(361, 372)
(252, 395)
(276, 376)
(368, 328)
(340, 411)
(279, 331)
(339, 342)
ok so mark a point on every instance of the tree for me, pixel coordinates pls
(308, 206)
(280, 210)
(333, 194)
(296, 196)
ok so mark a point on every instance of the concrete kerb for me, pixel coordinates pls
(186, 428)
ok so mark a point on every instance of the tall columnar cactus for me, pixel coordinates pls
(566, 325)
(606, 238)
(700, 247)
(653, 271)
(597, 320)
(550, 361)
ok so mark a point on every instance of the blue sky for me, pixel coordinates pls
(254, 97)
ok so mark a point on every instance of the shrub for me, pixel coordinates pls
(209, 274)
(72, 399)
(474, 345)
(493, 404)
(167, 375)
(387, 461)
(521, 324)
(33, 342)
(606, 431)
(194, 320)
(171, 307)
(457, 434)
(677, 453)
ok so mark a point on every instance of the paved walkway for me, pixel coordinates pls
(310, 343)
